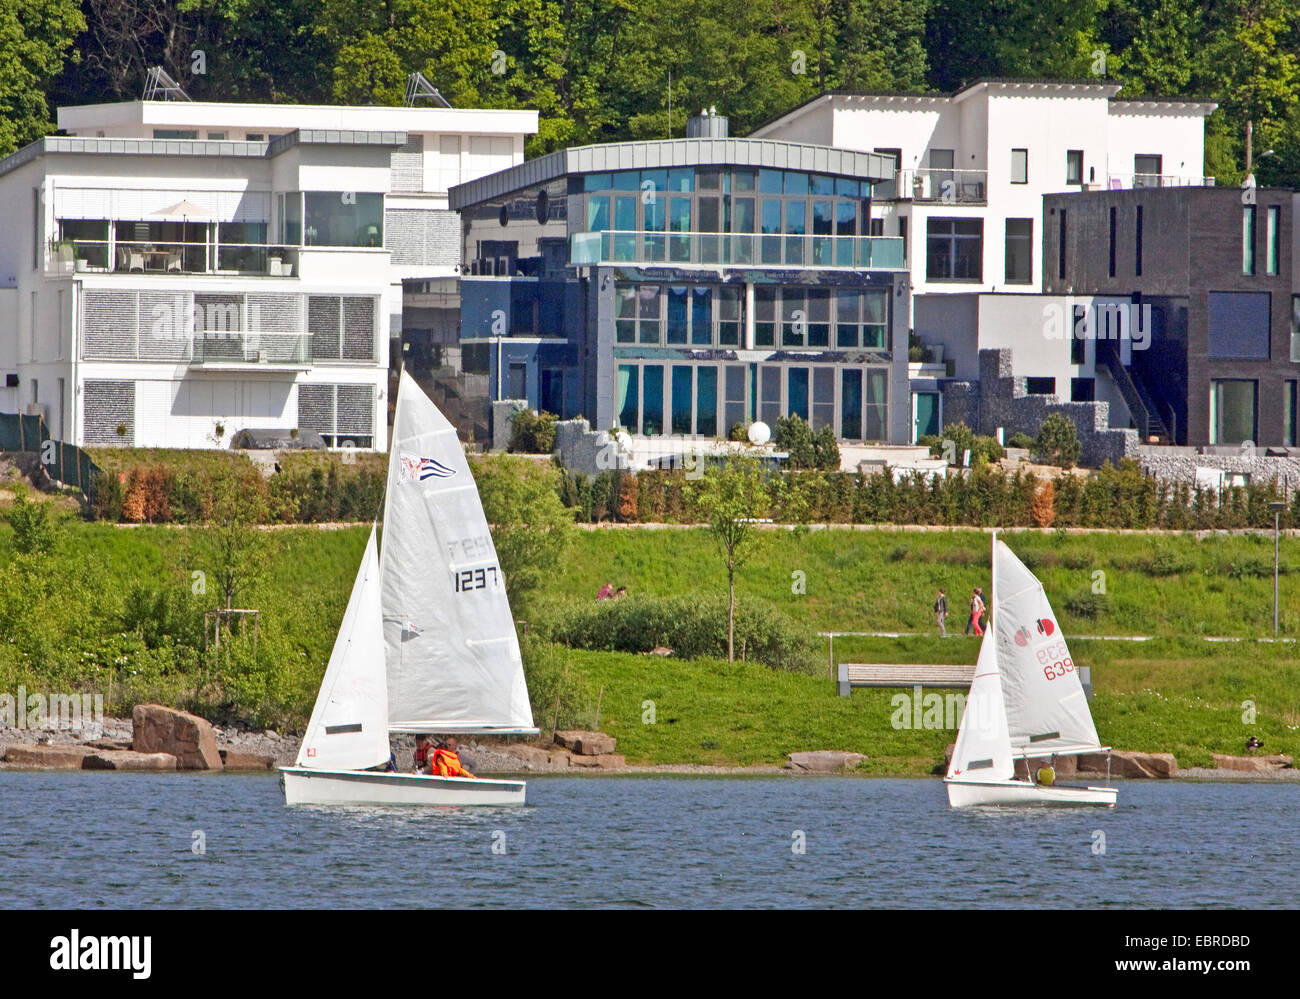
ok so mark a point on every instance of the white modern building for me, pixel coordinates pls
(973, 166)
(175, 272)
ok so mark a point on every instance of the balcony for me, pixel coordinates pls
(240, 348)
(99, 256)
(1128, 181)
(949, 187)
(712, 249)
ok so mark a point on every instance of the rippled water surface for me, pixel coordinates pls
(91, 840)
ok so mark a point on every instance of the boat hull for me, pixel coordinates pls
(303, 786)
(969, 793)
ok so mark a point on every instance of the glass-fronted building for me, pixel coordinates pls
(681, 287)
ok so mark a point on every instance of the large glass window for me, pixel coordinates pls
(851, 404)
(955, 250)
(734, 403)
(1238, 325)
(1289, 413)
(769, 386)
(1248, 239)
(875, 405)
(819, 317)
(629, 405)
(681, 416)
(597, 213)
(731, 316)
(706, 401)
(652, 385)
(794, 318)
(625, 314)
(847, 317)
(1270, 239)
(764, 316)
(823, 398)
(797, 392)
(1019, 251)
(702, 316)
(648, 313)
(1233, 410)
(1020, 166)
(875, 314)
(344, 218)
(677, 313)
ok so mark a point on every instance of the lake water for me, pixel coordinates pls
(89, 840)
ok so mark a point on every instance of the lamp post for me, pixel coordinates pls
(1277, 509)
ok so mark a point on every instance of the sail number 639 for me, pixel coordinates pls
(1054, 660)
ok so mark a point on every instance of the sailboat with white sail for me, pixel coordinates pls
(427, 643)
(1025, 702)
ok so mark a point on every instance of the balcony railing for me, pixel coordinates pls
(1126, 181)
(247, 347)
(98, 256)
(737, 249)
(955, 187)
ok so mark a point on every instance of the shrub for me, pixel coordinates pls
(693, 627)
(532, 433)
(1022, 440)
(35, 532)
(1086, 604)
(1057, 442)
(560, 696)
(1044, 504)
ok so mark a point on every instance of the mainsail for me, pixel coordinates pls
(349, 724)
(449, 638)
(983, 750)
(1047, 711)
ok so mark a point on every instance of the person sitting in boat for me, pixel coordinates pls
(446, 760)
(423, 749)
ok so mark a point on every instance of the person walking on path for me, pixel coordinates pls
(976, 612)
(941, 611)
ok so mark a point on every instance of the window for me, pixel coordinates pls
(1248, 239)
(629, 406)
(735, 410)
(1237, 325)
(1074, 166)
(216, 136)
(1079, 344)
(681, 411)
(1040, 386)
(648, 315)
(797, 392)
(1019, 251)
(764, 316)
(1083, 389)
(1137, 242)
(955, 250)
(1233, 409)
(254, 136)
(941, 164)
(706, 401)
(1062, 235)
(1020, 166)
(731, 320)
(175, 133)
(1270, 239)
(517, 380)
(1295, 329)
(38, 217)
(652, 386)
(851, 404)
(344, 218)
(1289, 413)
(1111, 270)
(1147, 169)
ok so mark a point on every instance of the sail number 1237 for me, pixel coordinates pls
(476, 579)
(1055, 661)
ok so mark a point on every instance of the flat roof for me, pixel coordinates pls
(78, 145)
(661, 153)
(261, 117)
(1082, 88)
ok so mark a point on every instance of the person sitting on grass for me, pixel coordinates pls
(446, 760)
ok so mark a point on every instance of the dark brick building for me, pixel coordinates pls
(1217, 266)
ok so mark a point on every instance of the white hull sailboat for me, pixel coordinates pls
(1025, 702)
(427, 642)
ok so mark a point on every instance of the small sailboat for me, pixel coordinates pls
(427, 642)
(1025, 702)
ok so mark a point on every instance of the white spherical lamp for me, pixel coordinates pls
(759, 433)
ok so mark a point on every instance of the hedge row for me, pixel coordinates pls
(306, 490)
(1115, 497)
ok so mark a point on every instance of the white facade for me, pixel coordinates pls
(444, 147)
(986, 155)
(152, 295)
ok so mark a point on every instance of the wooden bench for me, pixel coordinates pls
(912, 675)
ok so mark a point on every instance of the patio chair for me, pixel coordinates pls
(174, 261)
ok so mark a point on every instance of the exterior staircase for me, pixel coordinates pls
(1139, 398)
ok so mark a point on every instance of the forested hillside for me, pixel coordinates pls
(599, 70)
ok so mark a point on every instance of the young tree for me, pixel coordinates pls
(232, 549)
(1058, 442)
(731, 498)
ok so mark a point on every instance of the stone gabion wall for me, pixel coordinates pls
(1180, 466)
(503, 421)
(584, 451)
(999, 400)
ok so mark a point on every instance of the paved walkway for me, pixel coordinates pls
(1090, 638)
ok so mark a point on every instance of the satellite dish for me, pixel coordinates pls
(759, 433)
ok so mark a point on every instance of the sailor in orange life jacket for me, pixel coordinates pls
(445, 761)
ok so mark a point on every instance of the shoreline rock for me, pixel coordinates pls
(126, 759)
(188, 738)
